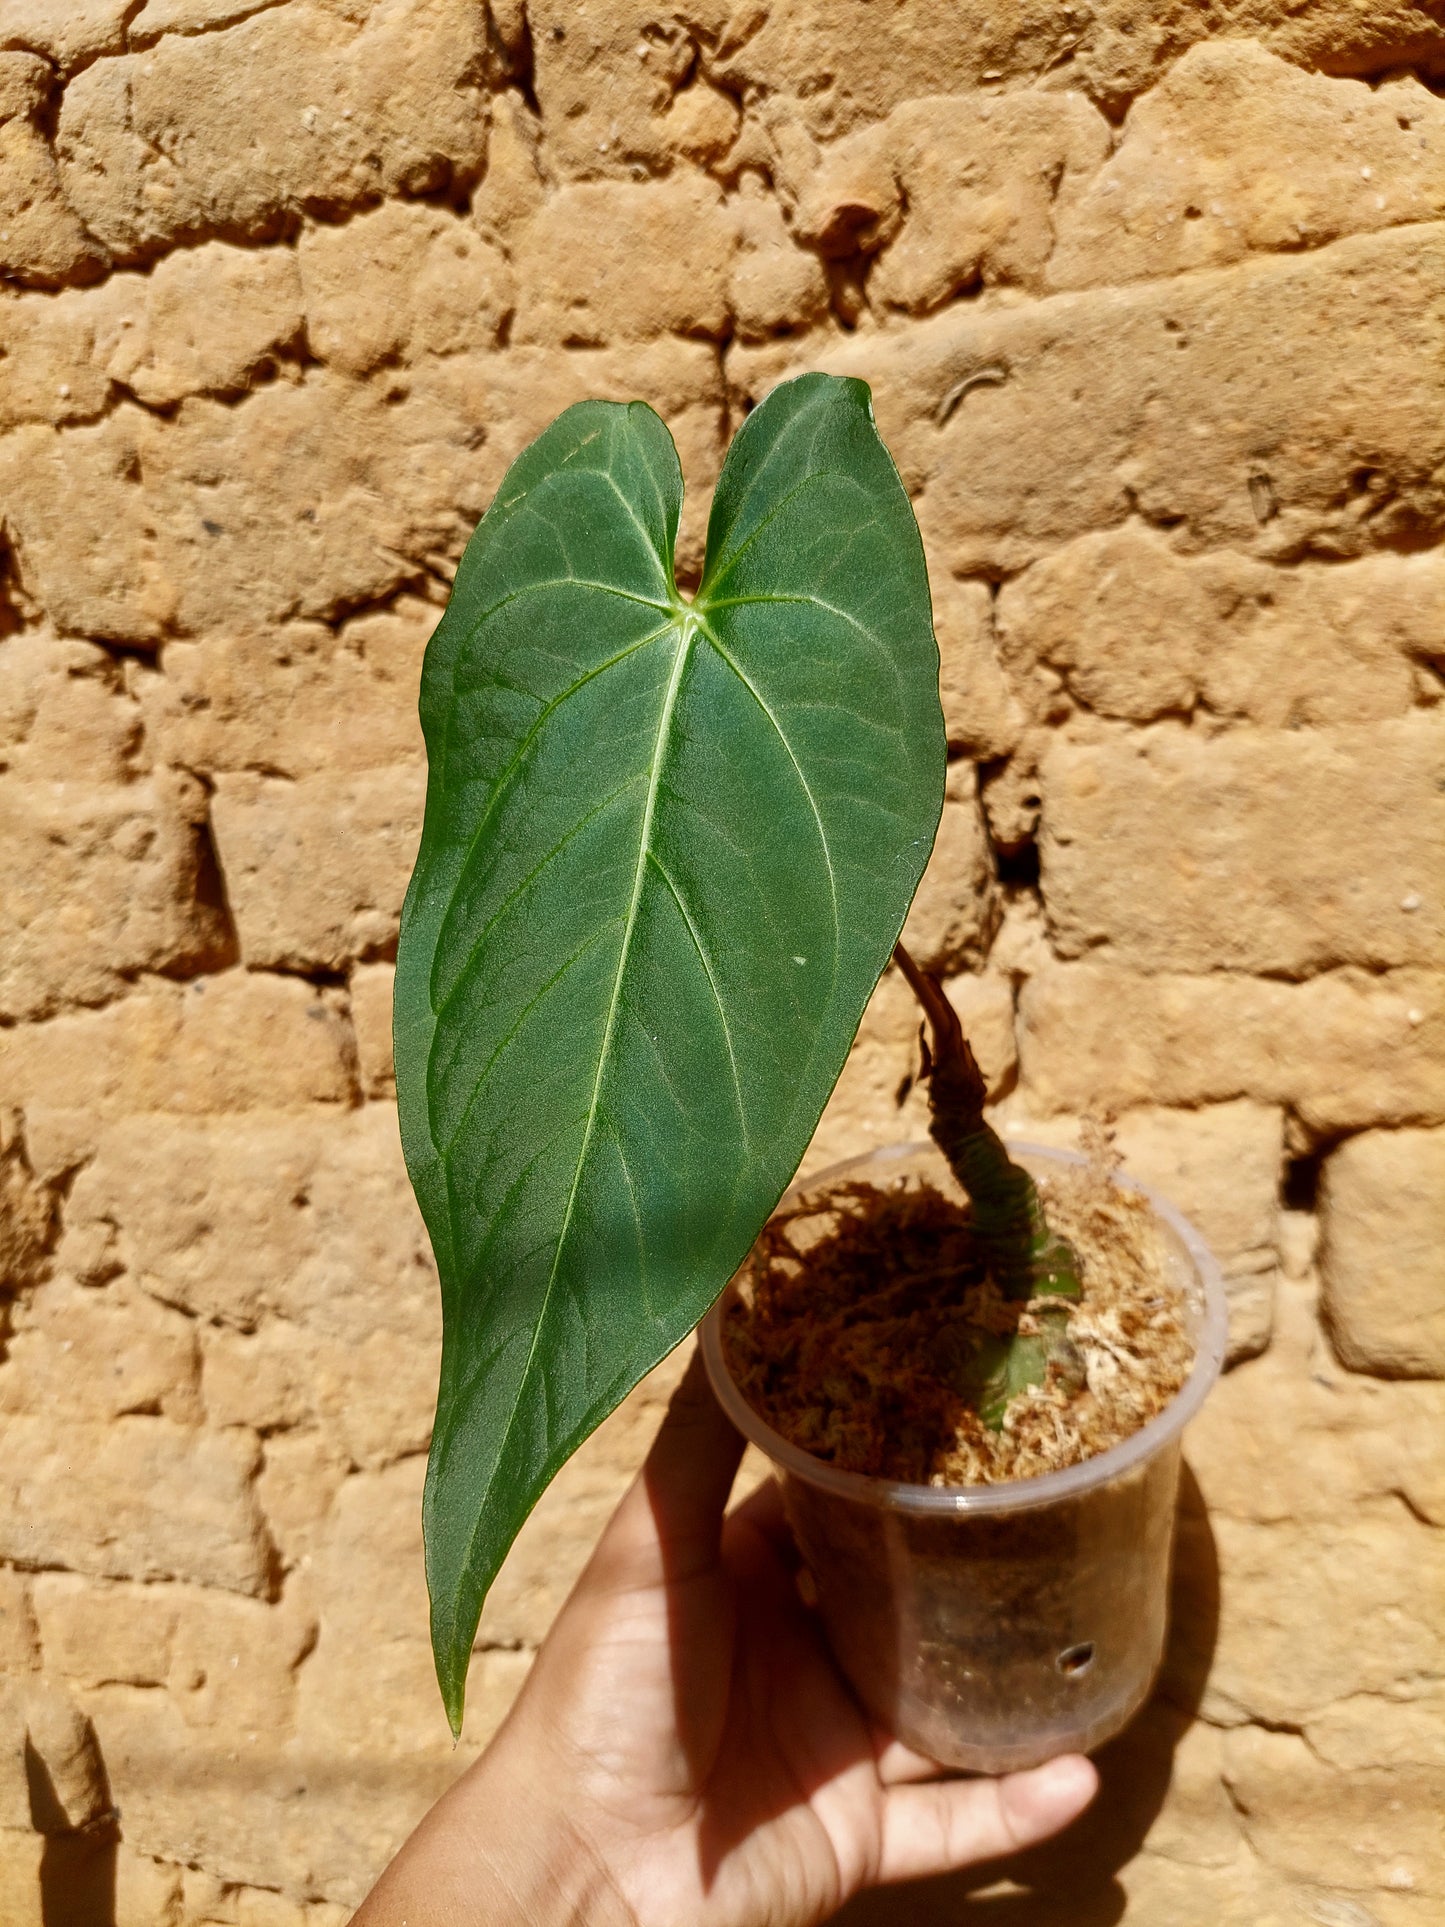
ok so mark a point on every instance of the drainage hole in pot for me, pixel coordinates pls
(1074, 1660)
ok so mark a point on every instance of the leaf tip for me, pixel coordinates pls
(452, 1679)
(451, 1646)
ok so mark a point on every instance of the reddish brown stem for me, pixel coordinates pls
(1023, 1255)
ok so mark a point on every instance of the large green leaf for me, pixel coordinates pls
(668, 847)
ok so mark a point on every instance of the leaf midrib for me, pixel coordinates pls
(687, 631)
(514, 762)
(691, 622)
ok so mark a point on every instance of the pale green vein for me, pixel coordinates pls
(706, 962)
(660, 746)
(806, 786)
(504, 777)
(642, 530)
(807, 601)
(730, 561)
(531, 877)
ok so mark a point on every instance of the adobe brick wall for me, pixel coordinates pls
(1152, 299)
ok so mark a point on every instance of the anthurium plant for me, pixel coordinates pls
(669, 845)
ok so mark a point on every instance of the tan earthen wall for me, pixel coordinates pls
(1152, 299)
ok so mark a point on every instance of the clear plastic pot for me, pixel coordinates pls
(993, 1627)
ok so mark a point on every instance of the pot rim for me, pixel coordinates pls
(1012, 1495)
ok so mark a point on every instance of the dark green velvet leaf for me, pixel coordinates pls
(668, 847)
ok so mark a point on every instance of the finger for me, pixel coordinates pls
(762, 1519)
(694, 1458)
(762, 1512)
(957, 1823)
(899, 1765)
(669, 1526)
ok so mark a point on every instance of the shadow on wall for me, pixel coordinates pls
(77, 1865)
(1070, 1882)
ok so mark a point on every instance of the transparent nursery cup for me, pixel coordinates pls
(993, 1627)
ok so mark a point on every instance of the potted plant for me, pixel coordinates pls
(668, 849)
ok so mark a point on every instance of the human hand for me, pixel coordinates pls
(685, 1753)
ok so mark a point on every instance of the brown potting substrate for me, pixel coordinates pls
(853, 1315)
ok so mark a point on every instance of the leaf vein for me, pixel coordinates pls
(505, 775)
(556, 977)
(635, 518)
(706, 962)
(505, 905)
(684, 650)
(730, 562)
(806, 786)
(809, 601)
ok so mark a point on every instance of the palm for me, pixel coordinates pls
(684, 1749)
(727, 1773)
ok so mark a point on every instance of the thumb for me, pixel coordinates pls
(948, 1824)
